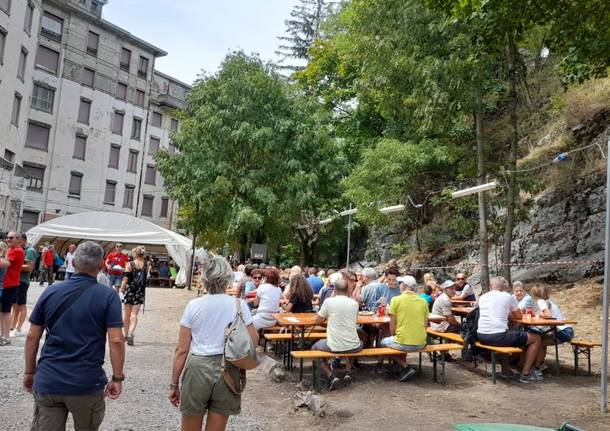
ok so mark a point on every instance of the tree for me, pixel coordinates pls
(256, 156)
(304, 27)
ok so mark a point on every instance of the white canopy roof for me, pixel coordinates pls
(109, 228)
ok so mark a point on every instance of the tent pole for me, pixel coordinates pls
(604, 365)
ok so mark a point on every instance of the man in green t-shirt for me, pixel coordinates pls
(19, 310)
(408, 323)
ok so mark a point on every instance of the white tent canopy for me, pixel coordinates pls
(108, 229)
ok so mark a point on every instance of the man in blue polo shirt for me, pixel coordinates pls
(77, 313)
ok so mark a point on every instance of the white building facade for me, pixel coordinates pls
(93, 113)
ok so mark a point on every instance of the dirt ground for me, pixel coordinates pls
(371, 402)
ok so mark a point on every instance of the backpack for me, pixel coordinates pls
(470, 325)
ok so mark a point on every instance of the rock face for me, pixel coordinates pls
(563, 227)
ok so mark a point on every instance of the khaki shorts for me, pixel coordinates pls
(51, 412)
(203, 388)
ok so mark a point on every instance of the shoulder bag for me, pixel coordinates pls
(239, 352)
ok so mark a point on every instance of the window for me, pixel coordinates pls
(164, 205)
(52, 26)
(132, 161)
(84, 111)
(47, 59)
(29, 219)
(136, 129)
(42, 98)
(171, 148)
(125, 59)
(110, 193)
(140, 97)
(115, 152)
(16, 110)
(154, 145)
(35, 176)
(5, 6)
(147, 205)
(76, 182)
(29, 15)
(151, 175)
(93, 41)
(157, 119)
(121, 91)
(174, 125)
(80, 147)
(128, 196)
(23, 60)
(117, 122)
(38, 136)
(143, 68)
(2, 44)
(9, 156)
(88, 77)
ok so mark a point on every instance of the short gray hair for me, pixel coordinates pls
(500, 282)
(88, 257)
(341, 286)
(370, 273)
(217, 275)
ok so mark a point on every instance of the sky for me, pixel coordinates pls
(197, 34)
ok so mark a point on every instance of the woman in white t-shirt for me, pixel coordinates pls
(202, 334)
(546, 308)
(267, 299)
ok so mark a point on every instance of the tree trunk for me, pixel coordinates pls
(483, 239)
(243, 245)
(307, 250)
(511, 54)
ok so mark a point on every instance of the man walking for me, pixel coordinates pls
(77, 314)
(48, 260)
(20, 311)
(69, 261)
(15, 257)
(115, 266)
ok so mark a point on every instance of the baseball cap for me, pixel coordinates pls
(447, 284)
(409, 280)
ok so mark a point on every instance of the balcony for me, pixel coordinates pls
(171, 101)
(49, 34)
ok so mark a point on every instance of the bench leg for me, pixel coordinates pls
(575, 351)
(434, 371)
(556, 351)
(442, 368)
(493, 367)
(419, 364)
(589, 359)
(317, 375)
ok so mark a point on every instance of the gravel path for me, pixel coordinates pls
(143, 404)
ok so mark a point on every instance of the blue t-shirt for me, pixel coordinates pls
(315, 283)
(72, 357)
(429, 299)
(389, 293)
(371, 293)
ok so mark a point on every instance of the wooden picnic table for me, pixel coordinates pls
(461, 303)
(552, 324)
(462, 311)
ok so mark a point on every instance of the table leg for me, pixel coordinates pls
(493, 367)
(302, 347)
(556, 351)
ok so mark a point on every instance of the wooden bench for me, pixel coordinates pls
(582, 347)
(495, 351)
(451, 336)
(288, 339)
(316, 356)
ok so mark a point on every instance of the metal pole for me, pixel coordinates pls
(604, 383)
(190, 276)
(349, 236)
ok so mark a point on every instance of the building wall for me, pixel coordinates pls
(54, 198)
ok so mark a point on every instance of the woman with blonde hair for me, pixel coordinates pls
(430, 281)
(134, 288)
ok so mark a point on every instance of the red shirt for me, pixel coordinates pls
(48, 258)
(116, 258)
(16, 256)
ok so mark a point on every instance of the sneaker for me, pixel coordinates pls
(530, 378)
(4, 341)
(406, 374)
(347, 379)
(543, 366)
(333, 383)
(538, 373)
(13, 333)
(20, 333)
(129, 339)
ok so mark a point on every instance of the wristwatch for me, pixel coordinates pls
(118, 378)
(174, 386)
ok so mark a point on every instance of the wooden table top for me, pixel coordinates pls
(308, 319)
(461, 302)
(539, 321)
(462, 311)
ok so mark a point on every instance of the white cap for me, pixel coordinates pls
(409, 280)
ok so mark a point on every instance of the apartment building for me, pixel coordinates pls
(95, 113)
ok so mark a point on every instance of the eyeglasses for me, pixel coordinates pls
(11, 237)
(460, 279)
(353, 279)
(256, 278)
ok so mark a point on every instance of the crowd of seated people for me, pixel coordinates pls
(337, 296)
